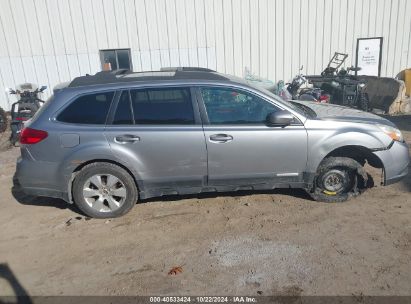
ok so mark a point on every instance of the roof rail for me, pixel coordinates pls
(113, 72)
(99, 77)
(186, 69)
(123, 75)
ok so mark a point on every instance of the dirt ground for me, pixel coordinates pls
(265, 243)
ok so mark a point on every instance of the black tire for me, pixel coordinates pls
(351, 174)
(364, 102)
(14, 136)
(101, 168)
(3, 120)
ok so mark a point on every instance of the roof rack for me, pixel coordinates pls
(99, 77)
(186, 69)
(123, 75)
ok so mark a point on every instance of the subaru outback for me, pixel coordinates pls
(106, 141)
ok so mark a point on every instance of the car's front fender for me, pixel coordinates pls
(324, 138)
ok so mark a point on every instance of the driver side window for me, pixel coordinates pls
(233, 106)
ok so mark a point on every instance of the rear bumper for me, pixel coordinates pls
(38, 179)
(395, 161)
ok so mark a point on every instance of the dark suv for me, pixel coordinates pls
(104, 141)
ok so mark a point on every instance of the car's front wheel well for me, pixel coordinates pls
(359, 153)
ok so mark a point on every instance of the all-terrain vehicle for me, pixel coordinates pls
(344, 88)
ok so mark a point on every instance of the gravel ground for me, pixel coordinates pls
(265, 243)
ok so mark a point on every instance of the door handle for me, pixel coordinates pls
(221, 138)
(126, 139)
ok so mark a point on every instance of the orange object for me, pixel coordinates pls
(176, 270)
(107, 66)
(407, 80)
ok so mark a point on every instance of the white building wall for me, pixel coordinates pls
(51, 41)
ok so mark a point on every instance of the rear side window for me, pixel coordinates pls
(162, 106)
(43, 108)
(88, 109)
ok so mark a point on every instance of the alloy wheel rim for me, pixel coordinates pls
(104, 192)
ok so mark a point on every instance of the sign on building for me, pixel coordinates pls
(369, 51)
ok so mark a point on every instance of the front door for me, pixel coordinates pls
(158, 134)
(242, 149)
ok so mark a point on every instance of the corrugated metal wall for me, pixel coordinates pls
(51, 41)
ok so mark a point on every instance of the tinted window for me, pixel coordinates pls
(162, 106)
(231, 106)
(123, 115)
(88, 109)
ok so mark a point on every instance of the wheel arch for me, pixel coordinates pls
(100, 160)
(359, 153)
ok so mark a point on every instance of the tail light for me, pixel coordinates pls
(21, 118)
(32, 136)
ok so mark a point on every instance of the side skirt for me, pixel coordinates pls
(158, 192)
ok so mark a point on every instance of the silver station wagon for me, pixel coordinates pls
(105, 141)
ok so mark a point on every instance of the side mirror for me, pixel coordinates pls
(280, 118)
(43, 88)
(11, 91)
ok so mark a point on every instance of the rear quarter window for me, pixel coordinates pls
(43, 108)
(88, 109)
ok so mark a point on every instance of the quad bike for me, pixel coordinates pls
(344, 88)
(3, 120)
(348, 90)
(25, 108)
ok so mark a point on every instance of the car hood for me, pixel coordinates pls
(326, 111)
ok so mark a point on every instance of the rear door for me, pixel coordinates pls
(157, 131)
(242, 149)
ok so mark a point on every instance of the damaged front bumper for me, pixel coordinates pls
(395, 160)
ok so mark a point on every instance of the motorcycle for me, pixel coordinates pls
(3, 120)
(293, 90)
(25, 108)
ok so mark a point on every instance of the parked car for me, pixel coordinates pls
(105, 141)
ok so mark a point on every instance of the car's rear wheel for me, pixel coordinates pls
(338, 179)
(104, 190)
